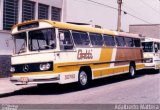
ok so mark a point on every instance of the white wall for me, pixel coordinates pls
(4, 48)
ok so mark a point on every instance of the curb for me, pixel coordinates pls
(6, 94)
(11, 93)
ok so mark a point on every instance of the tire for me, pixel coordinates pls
(45, 85)
(157, 71)
(42, 85)
(83, 79)
(132, 71)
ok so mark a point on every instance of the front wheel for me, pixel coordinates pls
(83, 79)
(132, 71)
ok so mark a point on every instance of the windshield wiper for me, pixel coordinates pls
(22, 49)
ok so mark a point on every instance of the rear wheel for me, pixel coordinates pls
(157, 71)
(132, 71)
(83, 79)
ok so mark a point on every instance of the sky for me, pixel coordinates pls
(87, 12)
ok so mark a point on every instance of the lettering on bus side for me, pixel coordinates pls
(87, 54)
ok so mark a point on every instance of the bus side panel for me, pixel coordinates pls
(119, 62)
(125, 55)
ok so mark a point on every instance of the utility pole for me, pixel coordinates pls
(119, 15)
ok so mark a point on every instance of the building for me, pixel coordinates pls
(16, 11)
(146, 30)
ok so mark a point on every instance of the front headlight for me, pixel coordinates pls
(12, 69)
(44, 66)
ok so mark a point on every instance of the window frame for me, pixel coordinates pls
(125, 38)
(39, 10)
(139, 43)
(15, 43)
(111, 36)
(90, 33)
(75, 31)
(118, 42)
(58, 13)
(24, 16)
(54, 38)
(72, 41)
(12, 18)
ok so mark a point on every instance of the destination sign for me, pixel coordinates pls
(28, 26)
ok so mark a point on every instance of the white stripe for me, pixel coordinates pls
(113, 56)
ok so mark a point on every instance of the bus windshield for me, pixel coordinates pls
(20, 43)
(43, 39)
(147, 46)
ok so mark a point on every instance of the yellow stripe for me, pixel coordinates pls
(107, 71)
(140, 66)
(126, 68)
(106, 54)
(110, 71)
(97, 73)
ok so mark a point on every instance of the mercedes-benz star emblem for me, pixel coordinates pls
(25, 68)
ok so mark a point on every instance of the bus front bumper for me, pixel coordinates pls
(37, 79)
(152, 66)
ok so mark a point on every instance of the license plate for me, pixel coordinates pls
(24, 80)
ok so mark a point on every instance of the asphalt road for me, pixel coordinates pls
(144, 89)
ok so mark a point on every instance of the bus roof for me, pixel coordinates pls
(149, 39)
(66, 26)
(126, 34)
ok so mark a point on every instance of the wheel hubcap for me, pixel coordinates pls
(132, 71)
(83, 78)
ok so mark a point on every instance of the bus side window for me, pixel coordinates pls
(96, 39)
(120, 41)
(109, 40)
(65, 40)
(81, 38)
(137, 42)
(156, 47)
(129, 42)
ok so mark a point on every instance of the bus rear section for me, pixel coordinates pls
(151, 53)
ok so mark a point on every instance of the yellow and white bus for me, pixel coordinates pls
(54, 52)
(151, 48)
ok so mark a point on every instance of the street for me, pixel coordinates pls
(144, 89)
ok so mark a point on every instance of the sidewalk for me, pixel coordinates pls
(7, 87)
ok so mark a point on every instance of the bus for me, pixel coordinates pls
(54, 52)
(151, 48)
